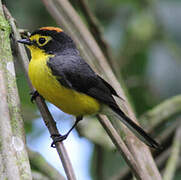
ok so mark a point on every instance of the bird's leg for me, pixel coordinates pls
(59, 138)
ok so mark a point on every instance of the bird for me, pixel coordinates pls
(61, 76)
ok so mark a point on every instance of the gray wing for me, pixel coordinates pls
(74, 73)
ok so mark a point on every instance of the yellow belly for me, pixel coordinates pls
(67, 100)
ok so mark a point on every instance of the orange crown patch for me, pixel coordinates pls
(52, 29)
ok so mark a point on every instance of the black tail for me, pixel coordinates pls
(138, 131)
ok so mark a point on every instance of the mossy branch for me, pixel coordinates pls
(162, 112)
(49, 122)
(14, 158)
(174, 156)
(94, 28)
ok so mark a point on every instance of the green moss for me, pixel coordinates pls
(4, 25)
(6, 59)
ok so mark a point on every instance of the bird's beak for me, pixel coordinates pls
(25, 41)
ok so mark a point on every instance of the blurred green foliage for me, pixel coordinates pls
(145, 40)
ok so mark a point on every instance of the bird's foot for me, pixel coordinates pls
(58, 138)
(34, 95)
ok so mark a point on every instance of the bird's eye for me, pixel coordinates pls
(42, 40)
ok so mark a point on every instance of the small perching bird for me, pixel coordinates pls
(61, 76)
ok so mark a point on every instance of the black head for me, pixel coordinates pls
(49, 39)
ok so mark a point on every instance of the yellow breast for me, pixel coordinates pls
(69, 101)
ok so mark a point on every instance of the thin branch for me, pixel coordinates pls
(160, 158)
(174, 156)
(95, 28)
(40, 164)
(115, 137)
(13, 150)
(169, 131)
(150, 120)
(161, 112)
(66, 16)
(50, 123)
(52, 8)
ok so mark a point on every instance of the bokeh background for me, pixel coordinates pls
(144, 39)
